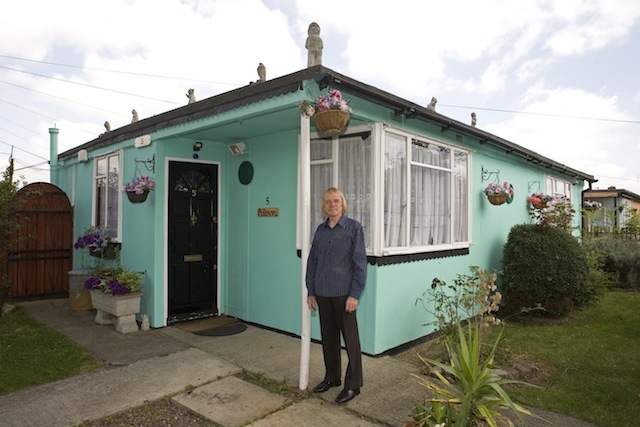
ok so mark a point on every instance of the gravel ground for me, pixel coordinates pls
(161, 413)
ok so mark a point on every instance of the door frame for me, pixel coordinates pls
(165, 255)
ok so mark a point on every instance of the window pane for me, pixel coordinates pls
(320, 149)
(460, 197)
(355, 179)
(395, 191)
(112, 195)
(430, 154)
(107, 188)
(430, 206)
(321, 179)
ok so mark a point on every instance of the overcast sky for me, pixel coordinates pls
(561, 78)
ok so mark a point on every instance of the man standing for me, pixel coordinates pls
(336, 275)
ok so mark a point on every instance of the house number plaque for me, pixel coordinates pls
(272, 212)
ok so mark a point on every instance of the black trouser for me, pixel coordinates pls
(334, 320)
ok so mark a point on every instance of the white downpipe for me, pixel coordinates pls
(305, 190)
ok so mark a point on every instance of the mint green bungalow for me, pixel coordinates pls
(238, 181)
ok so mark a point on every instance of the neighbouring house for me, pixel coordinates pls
(223, 231)
(614, 206)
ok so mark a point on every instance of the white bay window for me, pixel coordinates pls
(422, 203)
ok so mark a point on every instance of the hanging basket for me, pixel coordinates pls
(497, 199)
(137, 198)
(331, 122)
(541, 205)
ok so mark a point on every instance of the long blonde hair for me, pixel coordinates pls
(339, 193)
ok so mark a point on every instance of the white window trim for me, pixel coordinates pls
(379, 234)
(120, 153)
(378, 131)
(551, 183)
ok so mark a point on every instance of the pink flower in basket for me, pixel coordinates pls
(331, 100)
(140, 185)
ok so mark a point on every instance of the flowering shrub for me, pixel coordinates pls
(114, 281)
(140, 184)
(330, 100)
(94, 238)
(497, 188)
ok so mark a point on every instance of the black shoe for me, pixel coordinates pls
(326, 385)
(346, 395)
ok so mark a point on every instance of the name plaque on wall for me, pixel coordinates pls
(272, 212)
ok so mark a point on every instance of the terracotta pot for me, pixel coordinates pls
(331, 121)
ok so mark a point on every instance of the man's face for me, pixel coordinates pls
(333, 204)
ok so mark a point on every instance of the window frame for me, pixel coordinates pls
(417, 249)
(551, 184)
(376, 247)
(94, 202)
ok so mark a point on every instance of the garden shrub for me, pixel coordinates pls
(544, 266)
(622, 260)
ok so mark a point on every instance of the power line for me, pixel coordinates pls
(24, 151)
(542, 114)
(86, 85)
(82, 67)
(64, 99)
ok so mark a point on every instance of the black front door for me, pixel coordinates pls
(193, 241)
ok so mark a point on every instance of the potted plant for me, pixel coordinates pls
(138, 188)
(116, 294)
(98, 241)
(98, 244)
(591, 205)
(540, 200)
(330, 112)
(499, 193)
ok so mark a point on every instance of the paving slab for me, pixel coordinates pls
(231, 401)
(315, 413)
(106, 392)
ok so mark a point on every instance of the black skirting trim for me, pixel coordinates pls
(399, 259)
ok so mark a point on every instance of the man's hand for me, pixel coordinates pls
(311, 303)
(351, 305)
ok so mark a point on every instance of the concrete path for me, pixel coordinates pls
(201, 374)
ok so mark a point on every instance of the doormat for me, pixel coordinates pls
(213, 322)
(231, 329)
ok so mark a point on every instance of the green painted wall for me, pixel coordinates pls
(259, 271)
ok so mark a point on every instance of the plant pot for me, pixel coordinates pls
(497, 199)
(119, 310)
(331, 122)
(108, 252)
(541, 205)
(137, 198)
(79, 297)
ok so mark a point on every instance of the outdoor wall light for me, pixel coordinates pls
(237, 148)
(83, 156)
(197, 146)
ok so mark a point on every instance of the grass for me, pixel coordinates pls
(32, 354)
(589, 365)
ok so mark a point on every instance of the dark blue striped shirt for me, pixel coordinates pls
(337, 264)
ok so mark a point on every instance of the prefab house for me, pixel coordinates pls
(239, 177)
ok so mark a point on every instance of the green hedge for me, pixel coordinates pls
(544, 266)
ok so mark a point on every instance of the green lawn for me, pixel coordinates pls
(31, 353)
(590, 366)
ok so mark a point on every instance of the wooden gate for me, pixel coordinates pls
(41, 255)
